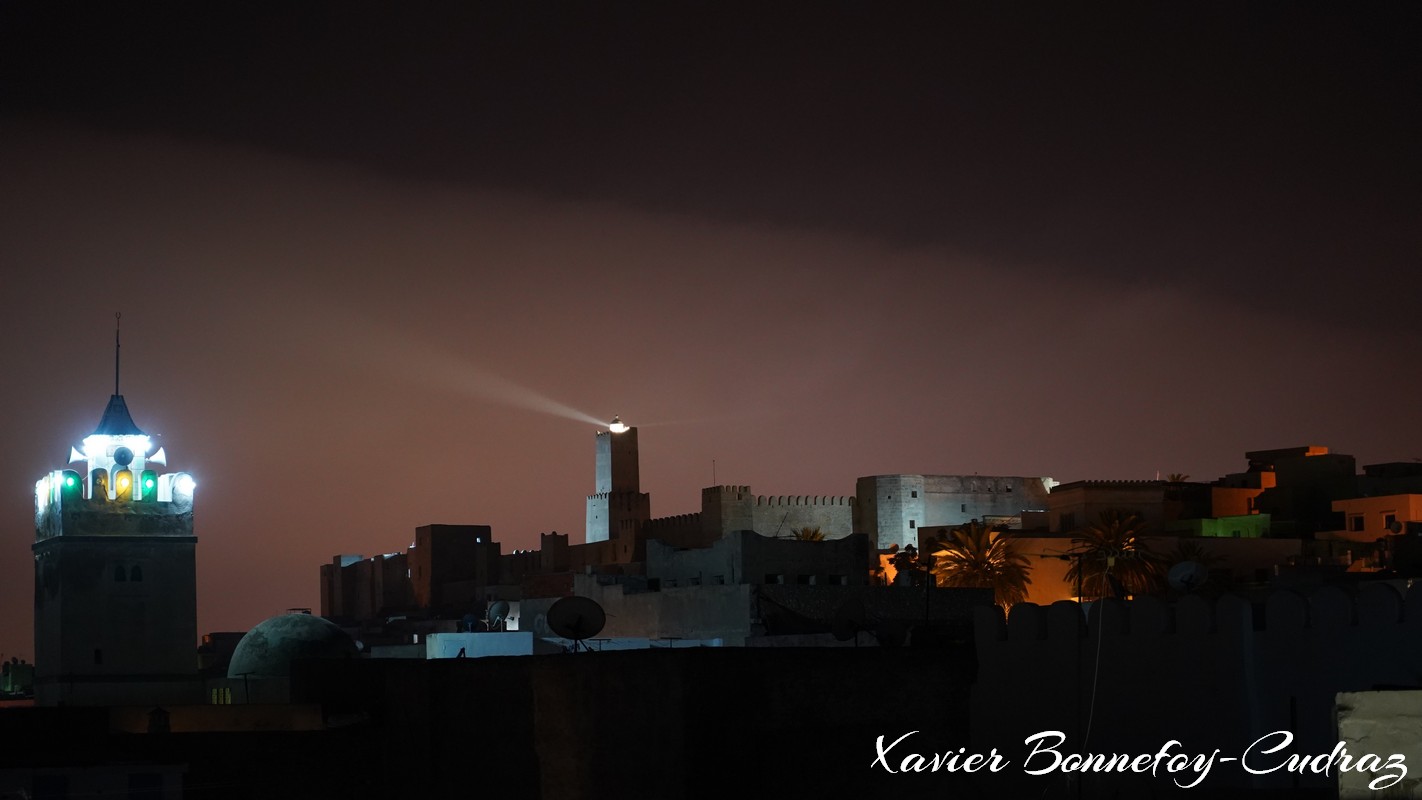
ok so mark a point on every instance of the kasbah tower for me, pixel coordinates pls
(115, 572)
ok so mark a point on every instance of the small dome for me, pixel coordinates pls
(269, 648)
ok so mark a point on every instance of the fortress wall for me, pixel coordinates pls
(782, 515)
(682, 530)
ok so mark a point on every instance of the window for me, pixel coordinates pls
(1389, 520)
(1355, 523)
(963, 508)
(718, 580)
(805, 580)
(839, 580)
(120, 574)
(1068, 521)
(98, 655)
(136, 574)
(914, 493)
(912, 525)
(774, 577)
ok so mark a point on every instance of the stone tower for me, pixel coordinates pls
(618, 507)
(115, 573)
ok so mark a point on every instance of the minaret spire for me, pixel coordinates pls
(117, 317)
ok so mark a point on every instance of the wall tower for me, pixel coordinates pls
(618, 507)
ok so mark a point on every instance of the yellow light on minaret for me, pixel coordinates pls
(617, 426)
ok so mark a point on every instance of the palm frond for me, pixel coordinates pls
(975, 556)
(1115, 548)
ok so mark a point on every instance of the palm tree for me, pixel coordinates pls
(975, 556)
(1177, 477)
(1111, 556)
(808, 534)
(1192, 550)
(908, 570)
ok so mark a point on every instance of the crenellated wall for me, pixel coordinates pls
(614, 514)
(782, 515)
(731, 508)
(682, 530)
(1126, 677)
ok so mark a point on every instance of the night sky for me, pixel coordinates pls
(387, 265)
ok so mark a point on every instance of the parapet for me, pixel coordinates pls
(1145, 483)
(804, 500)
(1283, 613)
(712, 492)
(150, 505)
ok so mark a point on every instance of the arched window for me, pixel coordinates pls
(120, 574)
(136, 574)
(99, 484)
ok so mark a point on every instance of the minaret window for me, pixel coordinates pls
(136, 574)
(120, 574)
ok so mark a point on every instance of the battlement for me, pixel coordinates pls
(1285, 614)
(625, 499)
(804, 500)
(714, 491)
(675, 520)
(1145, 483)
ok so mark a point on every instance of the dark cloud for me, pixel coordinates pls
(1263, 150)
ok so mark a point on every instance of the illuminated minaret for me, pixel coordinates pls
(115, 572)
(618, 508)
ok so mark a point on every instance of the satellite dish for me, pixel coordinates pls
(891, 633)
(576, 618)
(498, 612)
(848, 620)
(1187, 575)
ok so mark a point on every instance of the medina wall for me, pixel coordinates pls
(1128, 677)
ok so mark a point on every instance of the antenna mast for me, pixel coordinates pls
(117, 317)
